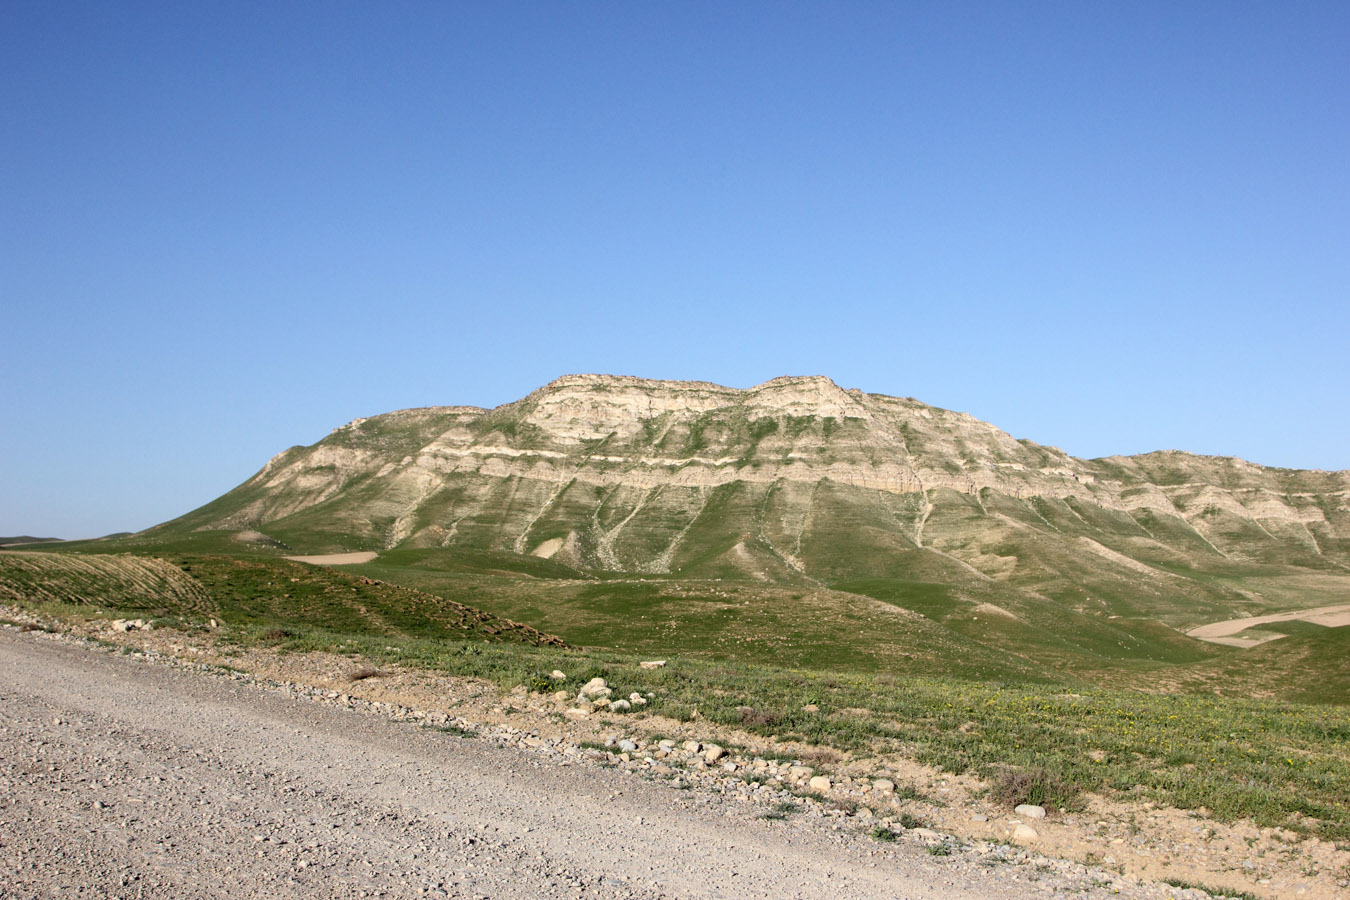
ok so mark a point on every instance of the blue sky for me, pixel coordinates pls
(227, 228)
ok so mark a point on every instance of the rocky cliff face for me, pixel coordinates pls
(794, 478)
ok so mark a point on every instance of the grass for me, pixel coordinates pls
(658, 616)
(457, 731)
(907, 792)
(781, 810)
(274, 597)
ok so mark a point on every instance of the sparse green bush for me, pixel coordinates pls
(908, 821)
(540, 683)
(457, 731)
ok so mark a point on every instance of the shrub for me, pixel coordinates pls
(753, 717)
(819, 756)
(1035, 786)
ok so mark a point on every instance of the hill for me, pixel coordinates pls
(275, 597)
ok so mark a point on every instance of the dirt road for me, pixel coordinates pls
(124, 778)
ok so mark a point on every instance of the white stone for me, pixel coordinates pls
(819, 783)
(595, 688)
(712, 753)
(653, 664)
(1030, 811)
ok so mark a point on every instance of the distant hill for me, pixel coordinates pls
(913, 523)
(25, 539)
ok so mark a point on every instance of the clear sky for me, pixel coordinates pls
(227, 227)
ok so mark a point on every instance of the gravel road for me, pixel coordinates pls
(125, 778)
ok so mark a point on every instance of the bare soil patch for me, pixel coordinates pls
(337, 559)
(1224, 632)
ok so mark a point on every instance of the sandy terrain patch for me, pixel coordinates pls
(989, 609)
(338, 559)
(1223, 632)
(548, 548)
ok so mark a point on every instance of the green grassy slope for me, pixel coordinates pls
(258, 593)
(729, 620)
